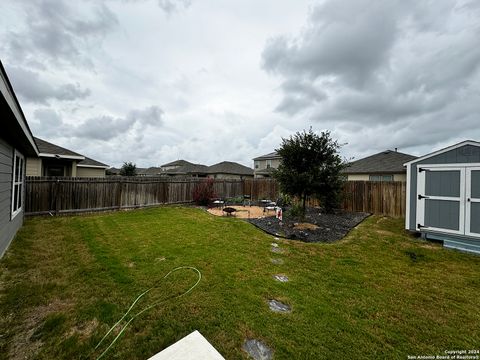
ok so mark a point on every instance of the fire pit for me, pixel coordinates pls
(229, 210)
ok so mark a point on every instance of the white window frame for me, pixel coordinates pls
(21, 181)
(268, 164)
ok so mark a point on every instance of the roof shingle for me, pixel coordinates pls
(387, 161)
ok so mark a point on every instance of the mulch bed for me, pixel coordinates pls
(329, 227)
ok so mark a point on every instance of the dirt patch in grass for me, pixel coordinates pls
(314, 227)
(27, 341)
(84, 330)
(243, 212)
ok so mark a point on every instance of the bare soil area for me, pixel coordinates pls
(243, 212)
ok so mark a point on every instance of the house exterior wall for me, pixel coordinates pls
(8, 226)
(34, 166)
(90, 172)
(229, 176)
(262, 164)
(358, 177)
(366, 177)
(466, 154)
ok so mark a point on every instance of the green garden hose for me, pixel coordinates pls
(146, 308)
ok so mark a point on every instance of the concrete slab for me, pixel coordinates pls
(192, 347)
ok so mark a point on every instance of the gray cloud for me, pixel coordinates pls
(58, 32)
(383, 67)
(171, 6)
(108, 127)
(30, 87)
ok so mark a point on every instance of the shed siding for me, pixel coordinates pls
(466, 154)
(8, 227)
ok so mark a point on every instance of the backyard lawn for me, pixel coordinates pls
(378, 293)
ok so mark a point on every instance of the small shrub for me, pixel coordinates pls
(203, 192)
(296, 210)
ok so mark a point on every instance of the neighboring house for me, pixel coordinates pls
(384, 166)
(113, 171)
(190, 170)
(175, 165)
(16, 143)
(265, 164)
(443, 196)
(229, 170)
(55, 160)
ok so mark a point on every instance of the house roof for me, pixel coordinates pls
(88, 162)
(153, 171)
(47, 149)
(188, 169)
(14, 125)
(387, 161)
(272, 155)
(177, 163)
(229, 167)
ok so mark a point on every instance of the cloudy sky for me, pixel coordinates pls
(151, 81)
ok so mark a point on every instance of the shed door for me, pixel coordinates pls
(441, 199)
(472, 208)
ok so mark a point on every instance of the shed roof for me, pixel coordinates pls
(229, 167)
(387, 161)
(272, 155)
(441, 151)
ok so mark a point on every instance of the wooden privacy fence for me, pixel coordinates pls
(376, 197)
(58, 195)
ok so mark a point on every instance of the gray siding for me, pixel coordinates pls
(465, 154)
(8, 227)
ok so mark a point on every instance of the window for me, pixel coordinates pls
(381, 178)
(17, 186)
(269, 164)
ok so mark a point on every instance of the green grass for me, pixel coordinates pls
(379, 293)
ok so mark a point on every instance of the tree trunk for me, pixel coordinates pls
(304, 201)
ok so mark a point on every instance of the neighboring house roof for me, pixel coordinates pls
(14, 128)
(272, 155)
(177, 163)
(229, 167)
(153, 171)
(113, 171)
(91, 163)
(387, 161)
(46, 148)
(188, 169)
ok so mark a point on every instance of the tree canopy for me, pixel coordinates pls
(128, 169)
(311, 166)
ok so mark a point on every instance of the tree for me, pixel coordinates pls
(311, 165)
(128, 169)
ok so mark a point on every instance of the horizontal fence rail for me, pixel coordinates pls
(58, 195)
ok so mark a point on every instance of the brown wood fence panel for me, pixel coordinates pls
(382, 198)
(69, 195)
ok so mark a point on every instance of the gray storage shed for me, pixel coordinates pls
(443, 201)
(16, 142)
